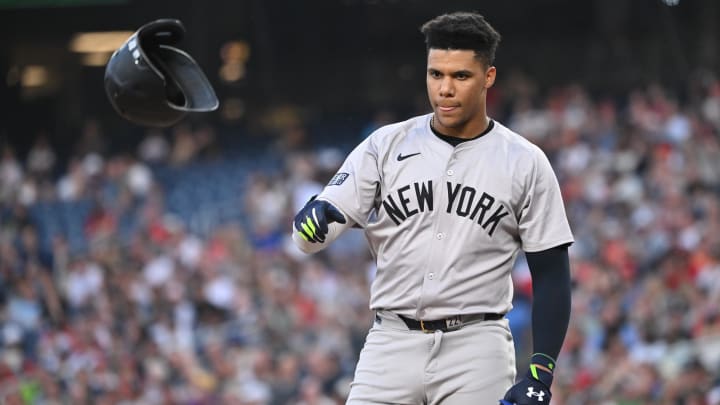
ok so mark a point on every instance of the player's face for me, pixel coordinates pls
(457, 84)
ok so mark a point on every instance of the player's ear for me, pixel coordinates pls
(490, 77)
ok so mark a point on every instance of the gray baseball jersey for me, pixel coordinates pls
(445, 223)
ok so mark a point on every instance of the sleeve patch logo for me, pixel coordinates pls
(338, 179)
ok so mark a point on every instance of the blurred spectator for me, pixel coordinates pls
(711, 105)
(41, 158)
(267, 206)
(139, 178)
(11, 174)
(92, 139)
(71, 185)
(154, 148)
(303, 182)
(205, 139)
(184, 146)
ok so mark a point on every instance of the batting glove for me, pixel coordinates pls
(534, 388)
(311, 223)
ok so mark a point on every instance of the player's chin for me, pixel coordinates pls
(448, 121)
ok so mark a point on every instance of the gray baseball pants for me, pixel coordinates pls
(472, 365)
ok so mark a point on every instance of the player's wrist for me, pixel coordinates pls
(542, 368)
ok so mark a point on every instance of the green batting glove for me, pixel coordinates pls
(311, 223)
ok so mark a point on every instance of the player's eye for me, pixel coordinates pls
(462, 76)
(434, 74)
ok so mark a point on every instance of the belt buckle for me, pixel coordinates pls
(422, 327)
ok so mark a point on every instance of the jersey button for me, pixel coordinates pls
(450, 172)
(431, 276)
(440, 236)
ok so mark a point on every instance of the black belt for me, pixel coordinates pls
(448, 324)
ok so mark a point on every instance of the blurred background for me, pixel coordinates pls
(145, 266)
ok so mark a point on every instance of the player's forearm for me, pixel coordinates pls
(550, 271)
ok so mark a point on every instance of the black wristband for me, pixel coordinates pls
(540, 374)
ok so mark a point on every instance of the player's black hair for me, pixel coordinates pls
(462, 30)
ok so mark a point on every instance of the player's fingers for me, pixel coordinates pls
(306, 233)
(311, 230)
(305, 237)
(321, 225)
(297, 225)
(297, 222)
(315, 226)
(319, 218)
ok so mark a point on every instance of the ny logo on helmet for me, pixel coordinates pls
(531, 393)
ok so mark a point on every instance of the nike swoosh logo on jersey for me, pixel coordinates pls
(400, 157)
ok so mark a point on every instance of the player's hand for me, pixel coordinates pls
(534, 388)
(528, 392)
(311, 223)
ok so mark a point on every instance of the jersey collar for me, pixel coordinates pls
(455, 141)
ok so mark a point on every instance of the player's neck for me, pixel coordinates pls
(469, 131)
(455, 141)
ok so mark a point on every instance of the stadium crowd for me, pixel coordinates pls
(148, 310)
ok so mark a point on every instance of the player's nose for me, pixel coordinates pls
(446, 87)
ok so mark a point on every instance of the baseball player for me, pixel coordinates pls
(446, 201)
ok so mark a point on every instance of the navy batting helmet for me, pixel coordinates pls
(150, 82)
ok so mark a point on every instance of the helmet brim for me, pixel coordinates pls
(181, 71)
